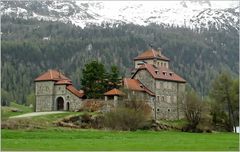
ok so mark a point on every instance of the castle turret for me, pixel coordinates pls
(153, 57)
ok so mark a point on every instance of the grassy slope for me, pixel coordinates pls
(6, 111)
(68, 139)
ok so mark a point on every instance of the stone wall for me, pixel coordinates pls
(146, 79)
(44, 103)
(168, 95)
(44, 88)
(60, 89)
(44, 95)
(47, 93)
(168, 100)
(181, 98)
(140, 61)
(138, 95)
(75, 103)
(157, 63)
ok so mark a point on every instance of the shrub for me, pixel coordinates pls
(81, 121)
(92, 105)
(197, 114)
(124, 119)
(129, 115)
(138, 105)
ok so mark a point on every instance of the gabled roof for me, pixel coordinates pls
(51, 75)
(74, 91)
(151, 54)
(136, 85)
(161, 73)
(114, 92)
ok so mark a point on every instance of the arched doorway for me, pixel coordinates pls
(67, 106)
(60, 103)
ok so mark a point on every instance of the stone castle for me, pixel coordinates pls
(54, 91)
(151, 80)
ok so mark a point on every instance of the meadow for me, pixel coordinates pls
(62, 139)
(48, 137)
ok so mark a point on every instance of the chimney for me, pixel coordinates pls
(59, 74)
(160, 51)
(150, 45)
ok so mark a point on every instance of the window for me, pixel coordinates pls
(158, 85)
(168, 99)
(164, 72)
(175, 99)
(158, 98)
(168, 110)
(165, 64)
(158, 109)
(161, 64)
(162, 98)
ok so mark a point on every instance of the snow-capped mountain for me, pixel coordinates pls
(195, 13)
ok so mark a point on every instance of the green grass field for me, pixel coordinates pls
(6, 111)
(73, 139)
(53, 138)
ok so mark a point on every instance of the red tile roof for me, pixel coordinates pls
(52, 75)
(136, 85)
(74, 91)
(161, 73)
(151, 54)
(114, 92)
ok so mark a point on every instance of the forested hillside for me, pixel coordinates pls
(197, 55)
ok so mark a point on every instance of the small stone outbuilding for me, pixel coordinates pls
(54, 91)
(113, 94)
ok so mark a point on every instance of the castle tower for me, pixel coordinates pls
(152, 57)
(54, 91)
(167, 87)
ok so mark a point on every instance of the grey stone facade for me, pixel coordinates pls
(169, 96)
(169, 91)
(47, 95)
(54, 91)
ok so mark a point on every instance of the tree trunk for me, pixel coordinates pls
(231, 115)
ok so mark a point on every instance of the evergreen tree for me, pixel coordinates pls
(114, 79)
(93, 82)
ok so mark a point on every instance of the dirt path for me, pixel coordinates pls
(37, 114)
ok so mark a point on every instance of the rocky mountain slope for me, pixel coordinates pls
(193, 14)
